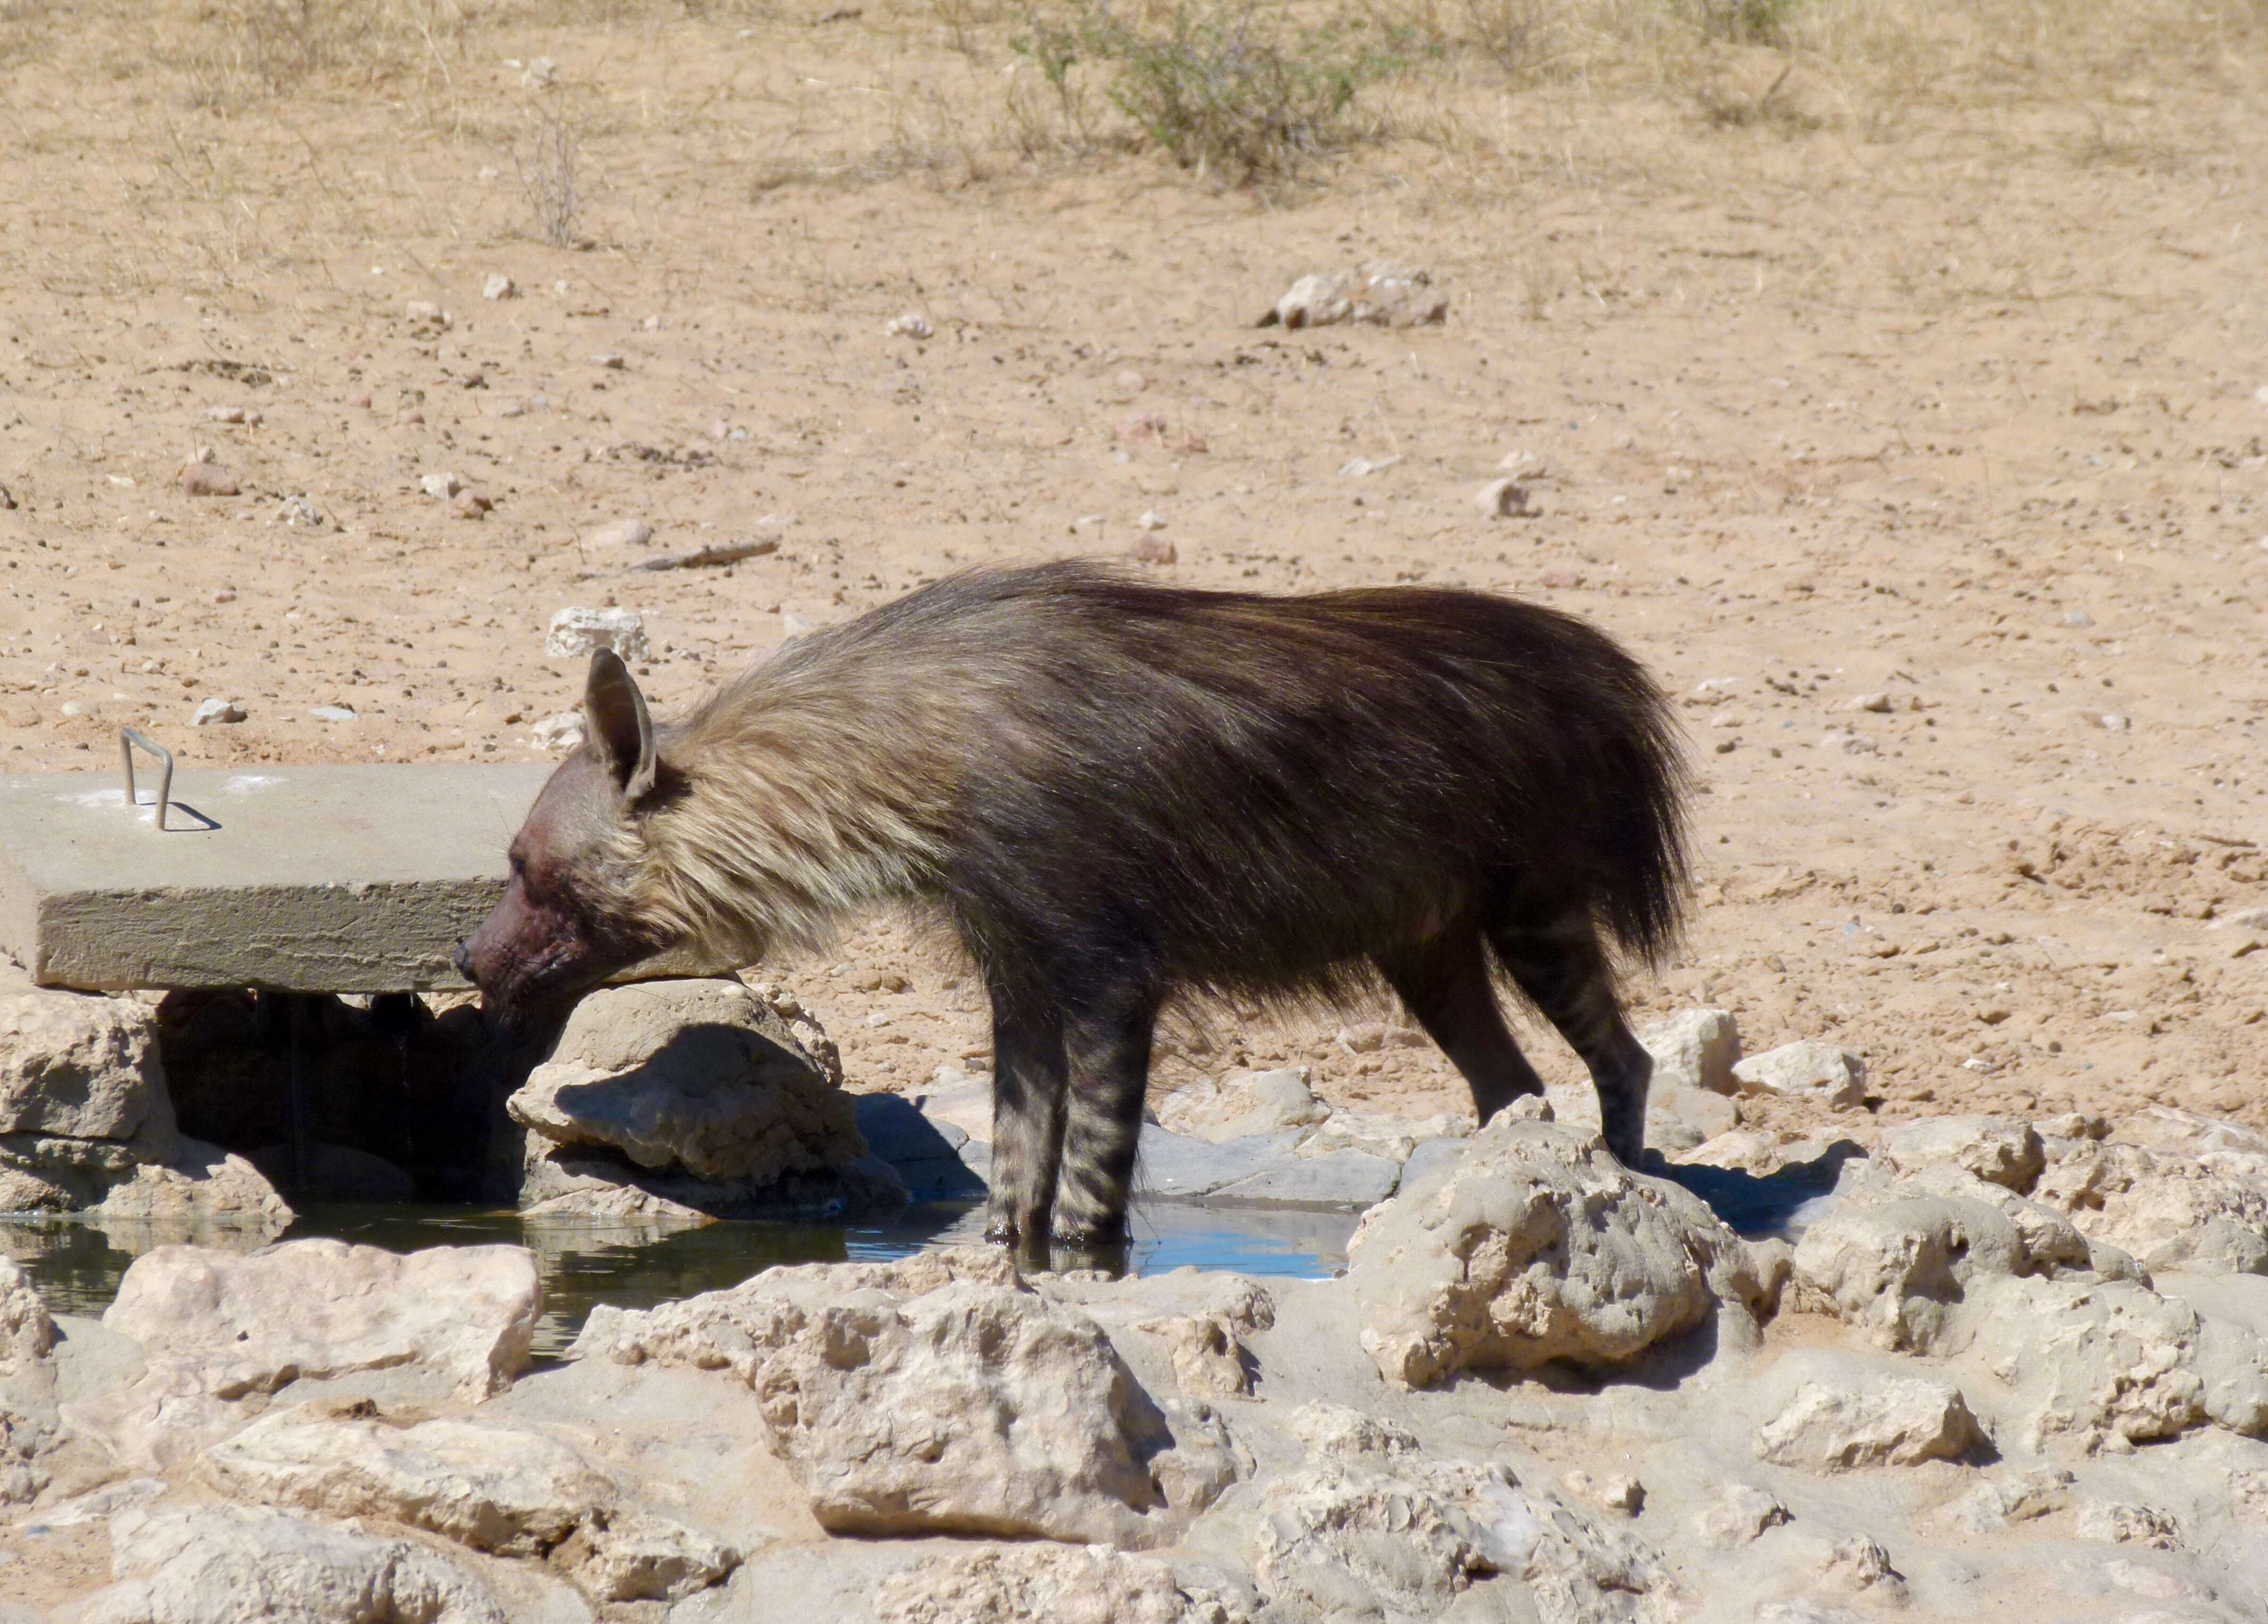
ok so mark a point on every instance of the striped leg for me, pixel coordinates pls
(1444, 984)
(1109, 1052)
(1563, 970)
(1028, 1074)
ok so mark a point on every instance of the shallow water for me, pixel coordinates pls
(76, 1269)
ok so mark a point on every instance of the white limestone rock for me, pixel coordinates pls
(1885, 1420)
(1695, 1049)
(1806, 1070)
(1534, 1245)
(238, 1564)
(80, 1065)
(938, 1395)
(1062, 1584)
(492, 1486)
(696, 1074)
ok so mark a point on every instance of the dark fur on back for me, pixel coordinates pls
(1256, 794)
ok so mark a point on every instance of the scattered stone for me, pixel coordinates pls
(1340, 1542)
(26, 1331)
(1210, 1360)
(1886, 1421)
(215, 710)
(1379, 293)
(2170, 1211)
(2000, 1151)
(206, 478)
(499, 286)
(1504, 498)
(201, 1192)
(1151, 519)
(2011, 1497)
(1536, 1246)
(1695, 1049)
(2077, 617)
(1065, 1585)
(621, 533)
(301, 512)
(913, 324)
(1361, 468)
(494, 1488)
(1610, 1492)
(1738, 1516)
(470, 505)
(1268, 1101)
(559, 733)
(7, 500)
(229, 1564)
(334, 713)
(231, 414)
(694, 1074)
(1151, 550)
(218, 1328)
(1878, 703)
(576, 632)
(1806, 1069)
(2119, 1523)
(440, 487)
(424, 313)
(1338, 1430)
(935, 1395)
(1858, 1563)
(80, 1065)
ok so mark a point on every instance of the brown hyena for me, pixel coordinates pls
(1116, 795)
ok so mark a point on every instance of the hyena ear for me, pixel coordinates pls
(618, 725)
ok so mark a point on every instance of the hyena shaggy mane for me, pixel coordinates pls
(1117, 794)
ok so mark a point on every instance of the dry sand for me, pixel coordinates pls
(1955, 400)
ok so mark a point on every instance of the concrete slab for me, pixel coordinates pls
(316, 879)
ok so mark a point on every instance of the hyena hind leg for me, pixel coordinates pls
(1565, 972)
(1110, 1054)
(1444, 984)
(1029, 1074)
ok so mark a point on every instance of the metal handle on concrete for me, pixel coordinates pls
(127, 738)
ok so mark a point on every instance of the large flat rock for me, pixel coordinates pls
(316, 879)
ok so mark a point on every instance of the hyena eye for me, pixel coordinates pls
(519, 866)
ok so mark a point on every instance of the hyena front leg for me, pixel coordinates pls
(1563, 970)
(1028, 1078)
(1109, 1054)
(1444, 984)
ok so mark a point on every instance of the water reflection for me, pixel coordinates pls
(77, 1265)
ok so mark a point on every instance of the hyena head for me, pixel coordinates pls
(571, 917)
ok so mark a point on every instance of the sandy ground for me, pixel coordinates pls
(1961, 403)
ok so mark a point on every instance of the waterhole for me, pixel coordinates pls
(76, 1269)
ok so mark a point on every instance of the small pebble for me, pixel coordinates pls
(215, 710)
(231, 414)
(609, 360)
(2081, 617)
(1151, 519)
(334, 713)
(1504, 498)
(1131, 382)
(1880, 704)
(425, 313)
(470, 505)
(360, 402)
(1151, 550)
(560, 733)
(440, 487)
(207, 479)
(1138, 427)
(499, 286)
(75, 707)
(621, 533)
(226, 595)
(1560, 580)
(913, 324)
(507, 407)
